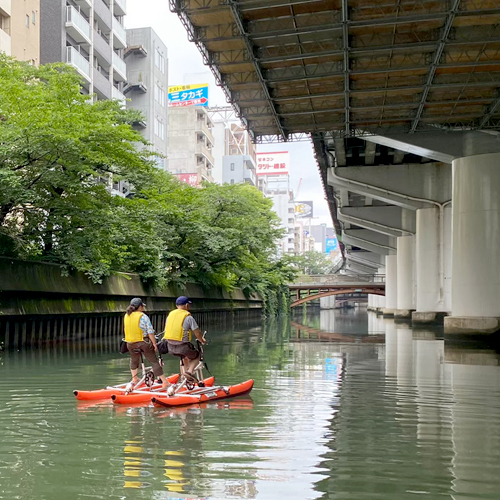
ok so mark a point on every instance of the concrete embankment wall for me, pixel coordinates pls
(39, 304)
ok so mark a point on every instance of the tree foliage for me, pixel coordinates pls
(313, 262)
(58, 154)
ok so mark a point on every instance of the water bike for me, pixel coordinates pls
(186, 382)
(146, 383)
(144, 395)
(202, 395)
(188, 390)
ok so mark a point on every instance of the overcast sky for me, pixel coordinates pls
(185, 65)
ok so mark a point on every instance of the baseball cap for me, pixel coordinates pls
(182, 301)
(137, 302)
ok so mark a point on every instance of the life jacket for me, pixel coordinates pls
(133, 332)
(173, 326)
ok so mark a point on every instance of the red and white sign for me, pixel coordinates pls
(193, 102)
(191, 179)
(274, 163)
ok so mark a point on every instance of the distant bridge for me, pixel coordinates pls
(315, 287)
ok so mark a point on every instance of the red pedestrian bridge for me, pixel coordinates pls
(309, 288)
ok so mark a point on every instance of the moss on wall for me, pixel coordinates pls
(28, 288)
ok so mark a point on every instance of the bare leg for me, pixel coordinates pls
(135, 378)
(165, 384)
(191, 364)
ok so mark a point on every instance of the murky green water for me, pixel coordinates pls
(344, 407)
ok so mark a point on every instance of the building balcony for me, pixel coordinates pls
(250, 177)
(102, 85)
(117, 95)
(119, 68)
(5, 42)
(78, 61)
(77, 26)
(102, 50)
(201, 126)
(136, 81)
(103, 16)
(203, 150)
(6, 6)
(119, 35)
(120, 8)
(85, 5)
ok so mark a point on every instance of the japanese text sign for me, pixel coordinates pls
(188, 95)
(191, 179)
(273, 163)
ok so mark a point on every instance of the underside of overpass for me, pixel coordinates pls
(401, 99)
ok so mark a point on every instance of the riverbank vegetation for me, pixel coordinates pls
(59, 155)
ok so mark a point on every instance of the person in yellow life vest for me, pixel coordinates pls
(179, 329)
(140, 337)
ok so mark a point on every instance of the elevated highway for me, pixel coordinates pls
(401, 99)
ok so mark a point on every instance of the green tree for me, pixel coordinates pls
(313, 262)
(58, 153)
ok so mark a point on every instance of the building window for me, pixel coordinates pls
(159, 95)
(159, 128)
(27, 21)
(232, 167)
(232, 181)
(33, 17)
(159, 61)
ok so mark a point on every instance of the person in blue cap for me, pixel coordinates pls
(179, 330)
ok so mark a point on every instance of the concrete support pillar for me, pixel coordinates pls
(380, 303)
(475, 245)
(433, 265)
(327, 302)
(391, 285)
(405, 300)
(371, 302)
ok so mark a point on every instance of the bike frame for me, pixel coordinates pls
(145, 371)
(197, 372)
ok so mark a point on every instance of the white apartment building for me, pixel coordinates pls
(147, 86)
(89, 35)
(277, 188)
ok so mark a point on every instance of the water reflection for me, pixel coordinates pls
(346, 405)
(428, 414)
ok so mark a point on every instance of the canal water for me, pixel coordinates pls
(346, 405)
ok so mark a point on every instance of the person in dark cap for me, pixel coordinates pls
(179, 330)
(140, 337)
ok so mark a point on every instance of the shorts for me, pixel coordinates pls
(186, 350)
(149, 353)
